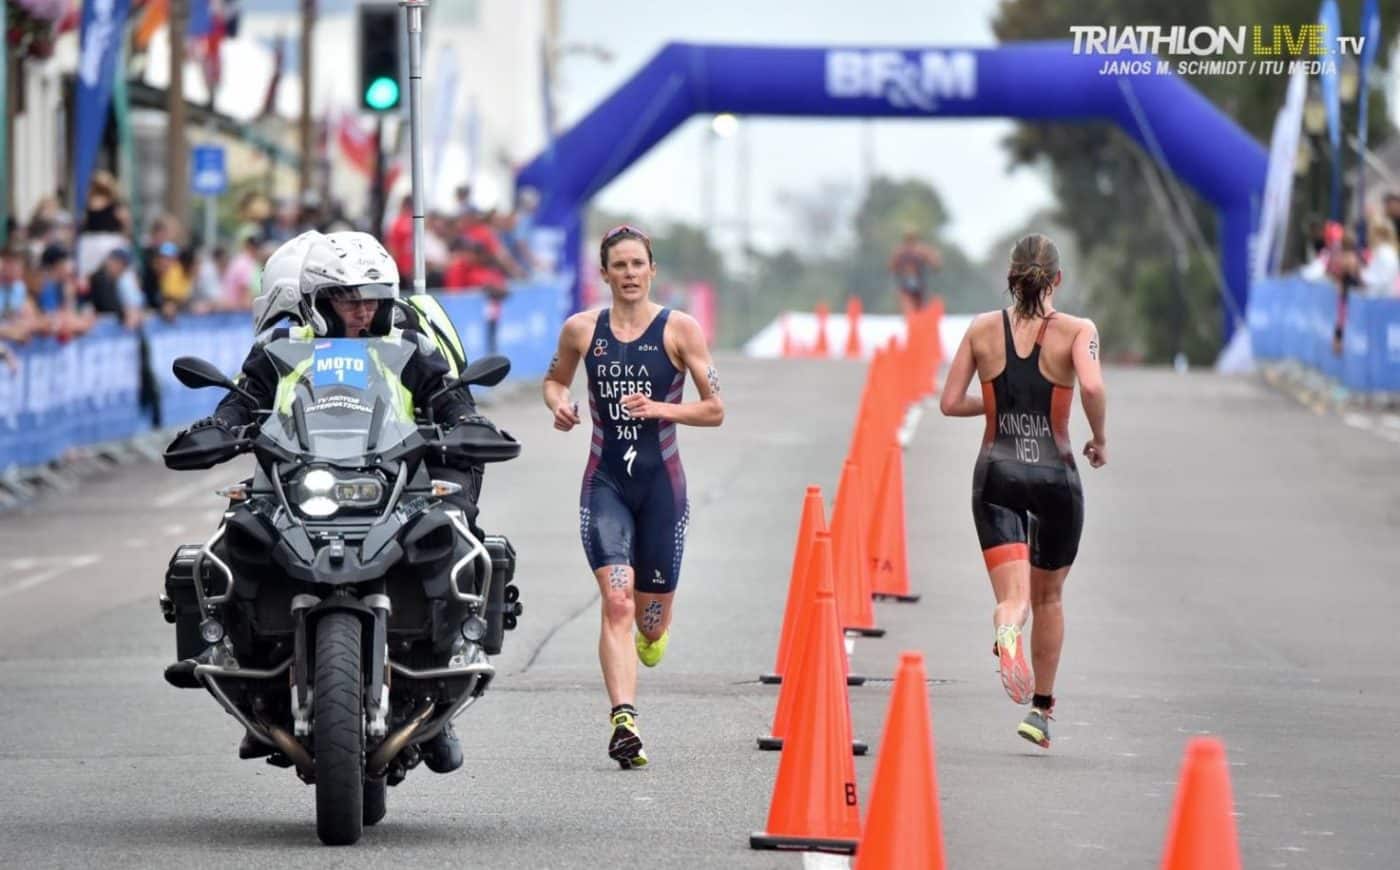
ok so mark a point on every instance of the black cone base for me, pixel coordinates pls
(802, 844)
(905, 599)
(773, 744)
(866, 632)
(777, 679)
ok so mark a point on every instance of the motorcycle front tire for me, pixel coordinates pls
(338, 730)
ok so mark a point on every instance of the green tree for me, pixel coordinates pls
(1099, 175)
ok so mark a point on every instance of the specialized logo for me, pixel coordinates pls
(630, 456)
(600, 346)
(906, 80)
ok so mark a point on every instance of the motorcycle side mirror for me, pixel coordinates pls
(195, 373)
(485, 372)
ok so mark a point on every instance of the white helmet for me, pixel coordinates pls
(364, 259)
(292, 281)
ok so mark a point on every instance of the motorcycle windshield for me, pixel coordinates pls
(340, 399)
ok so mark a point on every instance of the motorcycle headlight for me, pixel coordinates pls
(320, 493)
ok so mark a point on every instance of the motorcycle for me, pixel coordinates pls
(343, 612)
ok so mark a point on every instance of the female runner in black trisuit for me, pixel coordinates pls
(1026, 498)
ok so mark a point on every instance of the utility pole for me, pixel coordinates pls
(177, 179)
(308, 20)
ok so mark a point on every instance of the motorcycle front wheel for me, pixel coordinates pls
(338, 730)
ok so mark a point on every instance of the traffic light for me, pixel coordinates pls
(380, 61)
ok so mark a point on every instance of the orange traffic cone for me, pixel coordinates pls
(1202, 835)
(821, 348)
(902, 830)
(849, 539)
(819, 582)
(889, 551)
(801, 590)
(853, 311)
(815, 805)
(788, 351)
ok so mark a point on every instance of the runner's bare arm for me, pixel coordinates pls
(955, 402)
(695, 357)
(1085, 353)
(561, 372)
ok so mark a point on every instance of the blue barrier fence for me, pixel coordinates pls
(87, 391)
(1290, 318)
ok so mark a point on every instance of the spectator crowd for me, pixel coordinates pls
(58, 275)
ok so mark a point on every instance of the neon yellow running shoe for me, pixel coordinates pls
(649, 652)
(625, 747)
(1036, 727)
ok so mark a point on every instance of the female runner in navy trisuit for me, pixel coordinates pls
(633, 509)
(1026, 500)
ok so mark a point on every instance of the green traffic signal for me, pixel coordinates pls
(382, 93)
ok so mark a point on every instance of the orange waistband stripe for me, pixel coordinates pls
(999, 555)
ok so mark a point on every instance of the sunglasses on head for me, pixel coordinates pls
(624, 228)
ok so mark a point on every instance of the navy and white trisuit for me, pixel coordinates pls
(633, 508)
(1026, 497)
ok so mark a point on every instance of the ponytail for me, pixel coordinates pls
(1035, 261)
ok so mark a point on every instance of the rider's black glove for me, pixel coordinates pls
(475, 420)
(210, 423)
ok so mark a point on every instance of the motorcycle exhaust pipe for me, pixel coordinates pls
(387, 751)
(288, 746)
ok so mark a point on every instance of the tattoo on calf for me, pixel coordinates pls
(617, 578)
(651, 617)
(712, 375)
(1094, 347)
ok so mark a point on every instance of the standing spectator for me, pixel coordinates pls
(1378, 276)
(910, 265)
(164, 231)
(238, 281)
(1392, 211)
(207, 269)
(58, 294)
(463, 195)
(174, 281)
(107, 224)
(523, 230)
(1344, 267)
(435, 252)
(401, 237)
(19, 316)
(113, 289)
(282, 225)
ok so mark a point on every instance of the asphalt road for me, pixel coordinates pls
(1238, 577)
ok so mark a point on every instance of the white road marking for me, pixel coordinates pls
(1358, 421)
(62, 566)
(175, 529)
(824, 861)
(137, 543)
(23, 564)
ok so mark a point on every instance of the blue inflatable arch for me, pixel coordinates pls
(1034, 81)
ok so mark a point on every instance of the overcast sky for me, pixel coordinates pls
(962, 159)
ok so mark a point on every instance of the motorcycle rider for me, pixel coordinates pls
(338, 292)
